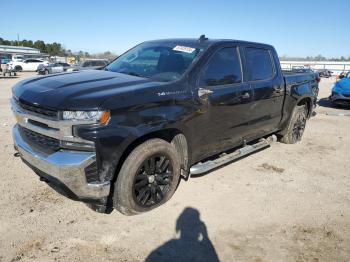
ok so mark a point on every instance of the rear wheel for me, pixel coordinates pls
(296, 125)
(148, 177)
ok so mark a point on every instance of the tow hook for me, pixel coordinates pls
(16, 154)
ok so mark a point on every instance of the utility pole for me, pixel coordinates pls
(18, 39)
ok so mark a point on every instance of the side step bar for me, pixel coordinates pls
(201, 168)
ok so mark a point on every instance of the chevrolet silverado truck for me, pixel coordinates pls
(122, 137)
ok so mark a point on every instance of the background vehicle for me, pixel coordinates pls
(302, 69)
(5, 68)
(325, 73)
(91, 64)
(27, 64)
(54, 68)
(343, 74)
(4, 60)
(18, 58)
(162, 110)
(341, 91)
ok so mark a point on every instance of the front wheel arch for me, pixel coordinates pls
(172, 135)
(124, 198)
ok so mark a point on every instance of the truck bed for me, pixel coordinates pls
(293, 76)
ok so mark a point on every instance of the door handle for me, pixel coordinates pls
(203, 92)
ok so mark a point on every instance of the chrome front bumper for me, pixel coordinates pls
(65, 165)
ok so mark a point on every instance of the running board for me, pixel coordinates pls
(201, 168)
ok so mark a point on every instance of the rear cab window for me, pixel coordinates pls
(259, 64)
(222, 68)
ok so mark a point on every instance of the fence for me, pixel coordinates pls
(335, 67)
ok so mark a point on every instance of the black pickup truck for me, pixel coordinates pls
(122, 137)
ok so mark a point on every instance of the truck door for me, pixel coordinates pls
(224, 103)
(268, 91)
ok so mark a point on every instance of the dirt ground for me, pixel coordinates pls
(285, 203)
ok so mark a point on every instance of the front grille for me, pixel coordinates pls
(38, 109)
(45, 143)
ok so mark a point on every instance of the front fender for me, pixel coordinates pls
(125, 128)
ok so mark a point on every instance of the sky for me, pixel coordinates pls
(296, 28)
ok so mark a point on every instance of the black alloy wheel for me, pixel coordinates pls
(299, 127)
(148, 177)
(296, 126)
(153, 181)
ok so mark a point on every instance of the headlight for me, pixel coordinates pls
(101, 117)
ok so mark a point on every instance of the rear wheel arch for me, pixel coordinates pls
(307, 102)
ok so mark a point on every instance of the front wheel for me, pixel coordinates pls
(148, 177)
(296, 125)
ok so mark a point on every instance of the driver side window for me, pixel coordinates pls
(223, 68)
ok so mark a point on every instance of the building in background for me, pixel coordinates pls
(13, 52)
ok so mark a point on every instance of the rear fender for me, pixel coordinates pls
(295, 94)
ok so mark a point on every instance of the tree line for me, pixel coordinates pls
(48, 48)
(55, 49)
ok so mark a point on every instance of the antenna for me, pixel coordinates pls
(202, 38)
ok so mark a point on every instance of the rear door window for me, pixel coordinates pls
(223, 68)
(259, 64)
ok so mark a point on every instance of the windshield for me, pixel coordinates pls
(159, 61)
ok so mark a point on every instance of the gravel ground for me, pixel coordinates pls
(285, 203)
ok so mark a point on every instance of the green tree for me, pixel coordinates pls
(39, 44)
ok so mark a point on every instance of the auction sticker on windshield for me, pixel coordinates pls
(185, 49)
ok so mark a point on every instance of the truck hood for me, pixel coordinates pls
(85, 90)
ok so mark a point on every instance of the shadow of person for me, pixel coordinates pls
(192, 245)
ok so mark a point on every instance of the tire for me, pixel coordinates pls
(18, 68)
(296, 126)
(136, 189)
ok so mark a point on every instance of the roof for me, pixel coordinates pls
(18, 49)
(207, 42)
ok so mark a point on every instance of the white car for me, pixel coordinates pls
(27, 64)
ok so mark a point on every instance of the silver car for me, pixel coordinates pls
(91, 64)
(54, 68)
